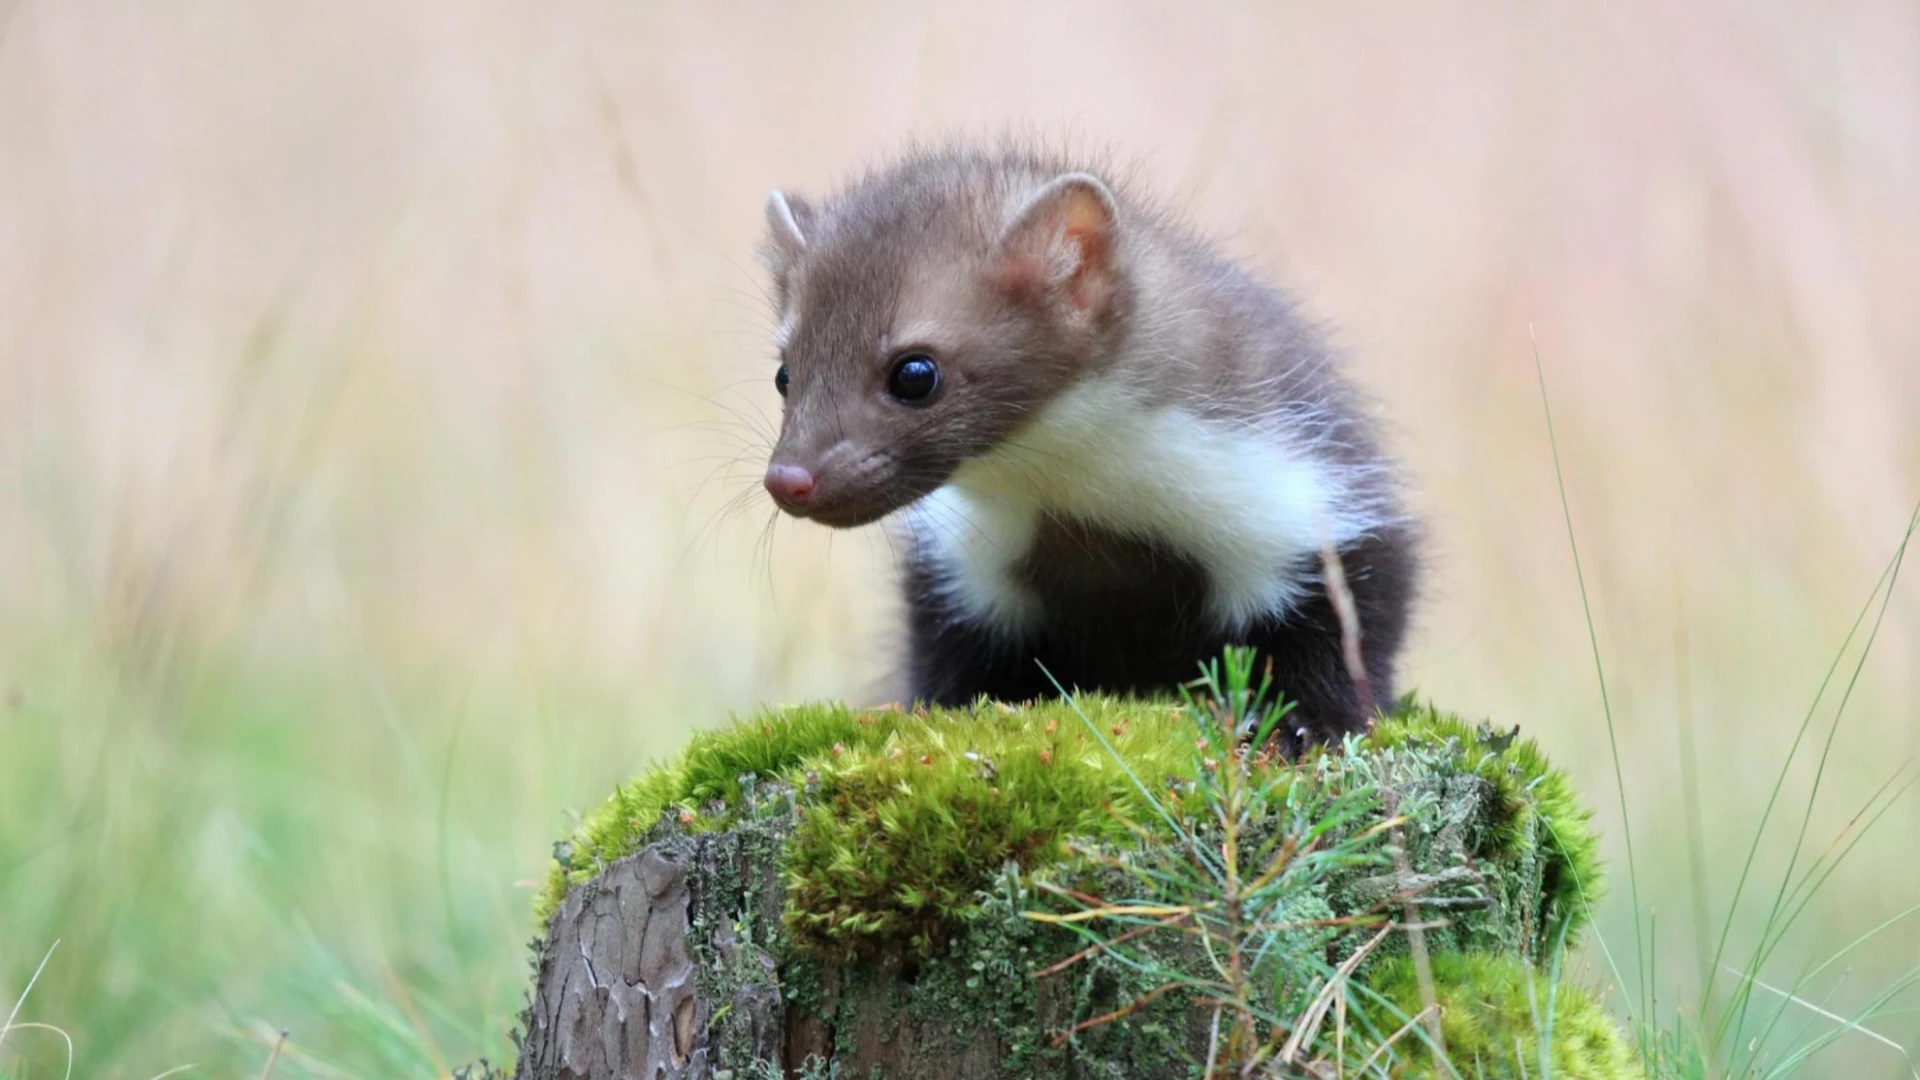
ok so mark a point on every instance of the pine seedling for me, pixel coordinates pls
(1231, 917)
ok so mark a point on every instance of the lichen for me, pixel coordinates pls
(1537, 807)
(1002, 966)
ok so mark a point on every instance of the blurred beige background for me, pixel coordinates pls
(407, 356)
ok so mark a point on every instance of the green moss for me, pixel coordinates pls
(773, 745)
(900, 837)
(919, 808)
(912, 842)
(903, 818)
(1494, 1011)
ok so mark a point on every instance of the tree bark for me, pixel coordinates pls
(673, 964)
(644, 972)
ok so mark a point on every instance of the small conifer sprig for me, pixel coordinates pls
(1240, 892)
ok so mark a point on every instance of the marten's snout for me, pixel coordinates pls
(790, 485)
(847, 485)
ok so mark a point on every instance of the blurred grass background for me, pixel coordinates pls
(374, 379)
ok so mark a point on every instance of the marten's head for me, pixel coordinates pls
(924, 314)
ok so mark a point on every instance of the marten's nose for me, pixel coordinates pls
(790, 485)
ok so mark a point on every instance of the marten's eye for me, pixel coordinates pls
(915, 377)
(780, 380)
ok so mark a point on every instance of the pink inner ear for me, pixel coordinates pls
(1024, 276)
(1029, 267)
(1088, 285)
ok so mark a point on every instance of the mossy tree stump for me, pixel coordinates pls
(820, 892)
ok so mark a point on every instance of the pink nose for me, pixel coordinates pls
(790, 485)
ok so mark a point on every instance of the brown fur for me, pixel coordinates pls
(1024, 277)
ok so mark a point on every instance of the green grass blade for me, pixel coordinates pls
(1641, 960)
(1719, 1028)
(1890, 577)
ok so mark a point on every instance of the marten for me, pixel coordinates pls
(1108, 452)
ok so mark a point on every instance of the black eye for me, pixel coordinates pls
(915, 377)
(780, 380)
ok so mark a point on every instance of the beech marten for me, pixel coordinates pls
(1109, 451)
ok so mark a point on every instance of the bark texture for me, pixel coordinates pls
(645, 971)
(676, 958)
(671, 963)
(618, 992)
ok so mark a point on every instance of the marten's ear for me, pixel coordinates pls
(1063, 242)
(788, 220)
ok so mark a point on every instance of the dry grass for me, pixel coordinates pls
(374, 379)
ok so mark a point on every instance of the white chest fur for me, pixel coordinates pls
(1243, 500)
